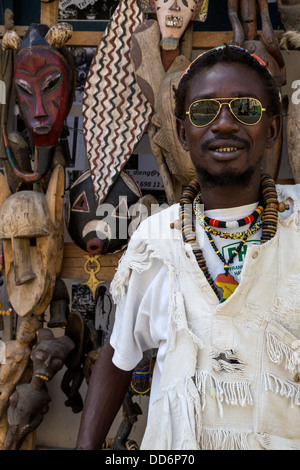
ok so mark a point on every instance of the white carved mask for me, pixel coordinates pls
(173, 17)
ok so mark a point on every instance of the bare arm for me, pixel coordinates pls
(106, 392)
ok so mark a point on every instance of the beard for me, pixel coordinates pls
(230, 177)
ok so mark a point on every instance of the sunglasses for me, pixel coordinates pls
(246, 110)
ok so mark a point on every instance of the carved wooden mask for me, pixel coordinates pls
(32, 233)
(173, 17)
(42, 90)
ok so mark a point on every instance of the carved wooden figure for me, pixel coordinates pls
(175, 165)
(17, 357)
(31, 227)
(44, 79)
(29, 402)
(243, 18)
(174, 17)
(6, 76)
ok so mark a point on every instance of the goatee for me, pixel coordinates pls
(229, 177)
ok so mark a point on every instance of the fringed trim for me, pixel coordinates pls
(284, 388)
(224, 439)
(278, 351)
(139, 256)
(236, 393)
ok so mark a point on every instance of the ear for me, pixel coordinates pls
(55, 195)
(273, 131)
(181, 134)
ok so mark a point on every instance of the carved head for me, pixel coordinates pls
(50, 354)
(104, 228)
(173, 17)
(32, 233)
(44, 81)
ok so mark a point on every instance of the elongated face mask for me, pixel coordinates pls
(42, 89)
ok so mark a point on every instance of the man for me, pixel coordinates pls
(210, 284)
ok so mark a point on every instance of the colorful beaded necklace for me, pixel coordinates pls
(226, 224)
(254, 227)
(269, 225)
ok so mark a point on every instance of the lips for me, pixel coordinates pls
(41, 130)
(229, 147)
(226, 150)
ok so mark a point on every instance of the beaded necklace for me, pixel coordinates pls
(225, 224)
(254, 227)
(269, 225)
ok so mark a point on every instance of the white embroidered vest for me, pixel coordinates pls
(231, 375)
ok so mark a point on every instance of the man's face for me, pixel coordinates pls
(42, 88)
(226, 146)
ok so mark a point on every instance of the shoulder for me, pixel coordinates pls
(158, 225)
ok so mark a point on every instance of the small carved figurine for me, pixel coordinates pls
(29, 403)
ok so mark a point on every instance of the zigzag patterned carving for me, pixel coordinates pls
(115, 112)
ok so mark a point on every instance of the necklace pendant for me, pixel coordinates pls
(227, 283)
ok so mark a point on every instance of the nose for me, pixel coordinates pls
(22, 261)
(175, 6)
(39, 108)
(225, 121)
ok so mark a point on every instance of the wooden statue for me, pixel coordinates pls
(31, 227)
(175, 166)
(17, 356)
(29, 403)
(243, 18)
(44, 78)
(6, 76)
(159, 57)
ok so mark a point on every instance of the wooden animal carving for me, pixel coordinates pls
(31, 228)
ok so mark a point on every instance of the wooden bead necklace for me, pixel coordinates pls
(269, 225)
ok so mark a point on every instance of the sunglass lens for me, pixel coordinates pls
(247, 110)
(203, 112)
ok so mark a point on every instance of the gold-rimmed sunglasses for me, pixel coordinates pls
(246, 110)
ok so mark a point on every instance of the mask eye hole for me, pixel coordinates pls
(24, 87)
(52, 82)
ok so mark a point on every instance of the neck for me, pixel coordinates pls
(228, 195)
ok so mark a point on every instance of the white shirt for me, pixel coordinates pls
(142, 323)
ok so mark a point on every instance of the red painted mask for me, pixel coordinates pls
(42, 80)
